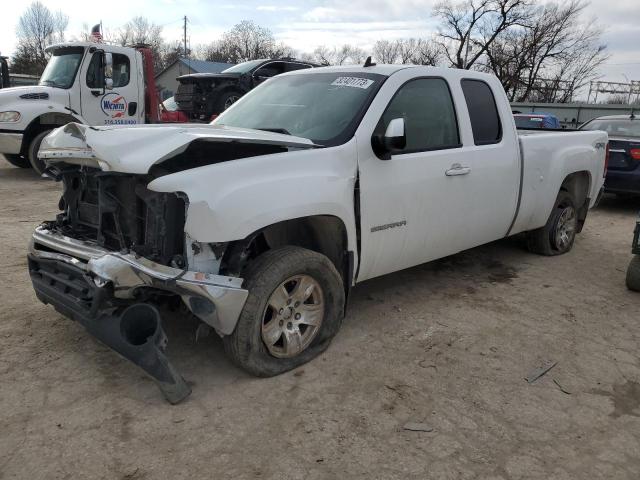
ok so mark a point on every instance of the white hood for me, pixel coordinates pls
(135, 149)
(12, 95)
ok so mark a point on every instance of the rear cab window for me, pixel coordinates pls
(483, 112)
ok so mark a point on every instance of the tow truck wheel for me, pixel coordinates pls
(558, 235)
(17, 160)
(294, 308)
(633, 274)
(37, 164)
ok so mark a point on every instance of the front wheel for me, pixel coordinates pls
(559, 233)
(226, 99)
(38, 165)
(294, 308)
(17, 160)
(633, 274)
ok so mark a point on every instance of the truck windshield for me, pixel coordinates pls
(323, 107)
(62, 68)
(615, 127)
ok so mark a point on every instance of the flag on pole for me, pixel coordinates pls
(96, 36)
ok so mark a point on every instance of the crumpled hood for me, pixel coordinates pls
(135, 149)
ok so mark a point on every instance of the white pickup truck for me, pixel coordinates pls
(261, 222)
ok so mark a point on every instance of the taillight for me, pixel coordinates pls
(606, 160)
(635, 153)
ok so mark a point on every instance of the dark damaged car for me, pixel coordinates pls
(202, 96)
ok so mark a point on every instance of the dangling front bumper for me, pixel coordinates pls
(97, 288)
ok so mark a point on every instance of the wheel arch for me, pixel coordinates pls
(578, 185)
(41, 123)
(324, 234)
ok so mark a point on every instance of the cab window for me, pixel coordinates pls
(429, 115)
(296, 66)
(121, 71)
(270, 69)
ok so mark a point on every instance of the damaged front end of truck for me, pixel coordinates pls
(118, 250)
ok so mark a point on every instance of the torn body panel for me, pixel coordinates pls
(230, 201)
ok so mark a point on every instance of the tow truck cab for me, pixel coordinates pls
(89, 83)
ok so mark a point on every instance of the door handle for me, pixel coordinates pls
(457, 169)
(96, 93)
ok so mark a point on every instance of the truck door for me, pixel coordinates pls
(439, 195)
(118, 106)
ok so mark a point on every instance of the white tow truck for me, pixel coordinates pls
(261, 222)
(84, 82)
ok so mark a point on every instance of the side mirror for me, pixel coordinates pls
(394, 137)
(108, 65)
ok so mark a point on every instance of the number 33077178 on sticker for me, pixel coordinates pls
(352, 82)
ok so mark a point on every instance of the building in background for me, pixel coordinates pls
(166, 79)
(21, 79)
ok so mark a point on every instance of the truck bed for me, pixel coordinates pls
(546, 158)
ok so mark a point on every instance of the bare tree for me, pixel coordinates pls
(139, 30)
(427, 52)
(385, 51)
(471, 27)
(551, 58)
(37, 29)
(245, 41)
(346, 54)
(249, 41)
(417, 51)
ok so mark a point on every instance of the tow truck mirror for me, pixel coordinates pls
(394, 137)
(108, 64)
(108, 70)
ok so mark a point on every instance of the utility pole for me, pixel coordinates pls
(185, 44)
(185, 36)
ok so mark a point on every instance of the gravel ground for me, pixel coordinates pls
(447, 344)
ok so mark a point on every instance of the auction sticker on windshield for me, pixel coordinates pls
(353, 82)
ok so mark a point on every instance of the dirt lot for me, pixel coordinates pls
(447, 344)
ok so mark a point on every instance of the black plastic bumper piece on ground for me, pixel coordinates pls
(135, 332)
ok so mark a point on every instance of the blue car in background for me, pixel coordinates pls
(623, 172)
(532, 121)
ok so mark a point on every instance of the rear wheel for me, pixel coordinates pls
(37, 164)
(633, 274)
(559, 233)
(294, 308)
(17, 160)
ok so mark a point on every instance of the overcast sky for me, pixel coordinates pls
(307, 24)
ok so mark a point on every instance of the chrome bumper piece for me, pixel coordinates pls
(215, 299)
(10, 143)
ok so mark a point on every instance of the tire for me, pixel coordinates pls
(17, 160)
(559, 233)
(633, 274)
(274, 268)
(226, 99)
(38, 165)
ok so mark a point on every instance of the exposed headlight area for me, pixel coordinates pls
(9, 116)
